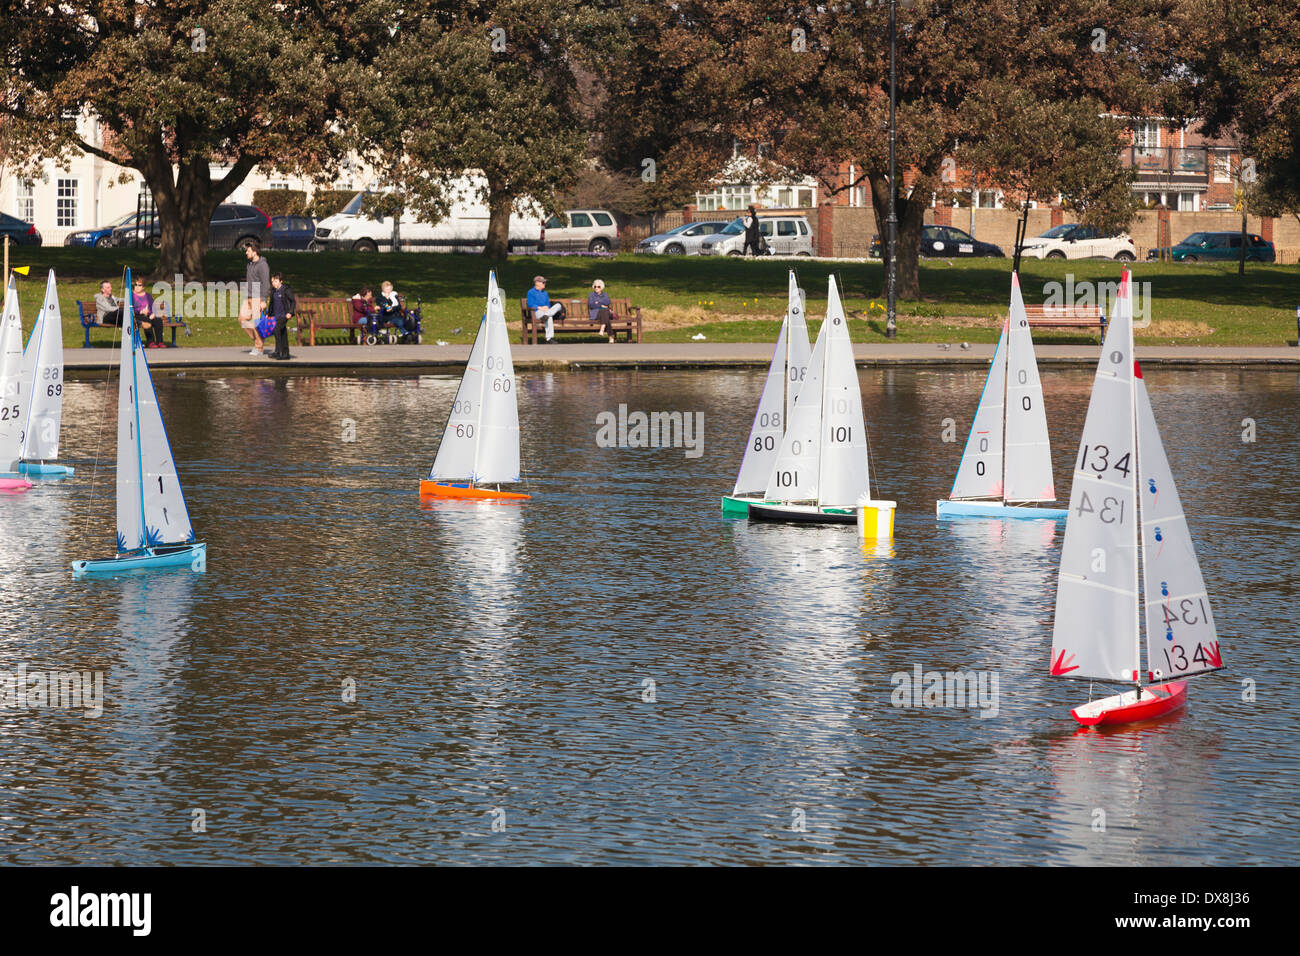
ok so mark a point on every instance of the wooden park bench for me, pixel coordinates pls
(90, 320)
(1066, 317)
(625, 319)
(323, 314)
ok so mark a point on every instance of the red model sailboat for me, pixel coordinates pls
(1126, 517)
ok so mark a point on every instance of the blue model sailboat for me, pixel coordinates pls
(153, 524)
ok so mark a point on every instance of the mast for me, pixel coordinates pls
(482, 383)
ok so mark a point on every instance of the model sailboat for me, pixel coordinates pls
(1006, 469)
(42, 381)
(1124, 505)
(480, 444)
(153, 524)
(821, 473)
(12, 394)
(784, 376)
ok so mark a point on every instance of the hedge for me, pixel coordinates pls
(280, 202)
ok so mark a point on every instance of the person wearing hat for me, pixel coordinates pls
(539, 303)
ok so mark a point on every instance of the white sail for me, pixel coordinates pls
(43, 372)
(844, 471)
(498, 447)
(151, 508)
(1028, 463)
(1096, 628)
(13, 396)
(769, 424)
(785, 375)
(481, 440)
(1181, 638)
(980, 473)
(794, 476)
(798, 353)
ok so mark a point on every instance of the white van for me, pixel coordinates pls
(464, 229)
(785, 235)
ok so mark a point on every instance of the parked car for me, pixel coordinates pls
(785, 235)
(232, 226)
(464, 229)
(686, 239)
(19, 232)
(100, 236)
(1074, 241)
(1212, 246)
(292, 232)
(946, 242)
(589, 230)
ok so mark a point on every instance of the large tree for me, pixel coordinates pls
(489, 87)
(180, 87)
(811, 83)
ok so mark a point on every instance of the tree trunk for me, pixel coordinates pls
(911, 217)
(500, 203)
(1241, 260)
(184, 201)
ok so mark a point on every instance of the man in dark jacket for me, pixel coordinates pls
(753, 238)
(282, 306)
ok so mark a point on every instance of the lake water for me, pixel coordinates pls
(502, 655)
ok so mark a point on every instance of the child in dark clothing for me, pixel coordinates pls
(282, 306)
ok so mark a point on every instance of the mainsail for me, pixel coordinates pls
(1096, 627)
(794, 475)
(42, 379)
(150, 505)
(844, 470)
(1028, 462)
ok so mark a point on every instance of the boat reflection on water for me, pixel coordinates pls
(819, 601)
(1127, 794)
(154, 619)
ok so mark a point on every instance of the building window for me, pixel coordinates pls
(66, 203)
(1146, 134)
(26, 200)
(1223, 167)
(807, 199)
(1187, 202)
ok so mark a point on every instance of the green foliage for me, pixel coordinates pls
(326, 202)
(280, 202)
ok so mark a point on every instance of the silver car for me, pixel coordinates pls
(682, 241)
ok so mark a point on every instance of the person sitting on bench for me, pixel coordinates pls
(108, 310)
(150, 325)
(598, 307)
(540, 304)
(390, 308)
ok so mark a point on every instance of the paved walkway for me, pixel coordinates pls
(680, 355)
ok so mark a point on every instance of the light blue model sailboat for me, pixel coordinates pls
(1006, 469)
(153, 524)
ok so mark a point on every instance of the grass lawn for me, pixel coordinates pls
(728, 300)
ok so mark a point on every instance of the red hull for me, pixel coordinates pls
(435, 489)
(1156, 701)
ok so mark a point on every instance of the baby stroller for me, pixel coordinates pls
(404, 328)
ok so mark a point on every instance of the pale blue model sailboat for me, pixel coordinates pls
(153, 524)
(1006, 469)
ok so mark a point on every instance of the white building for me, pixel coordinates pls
(89, 192)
